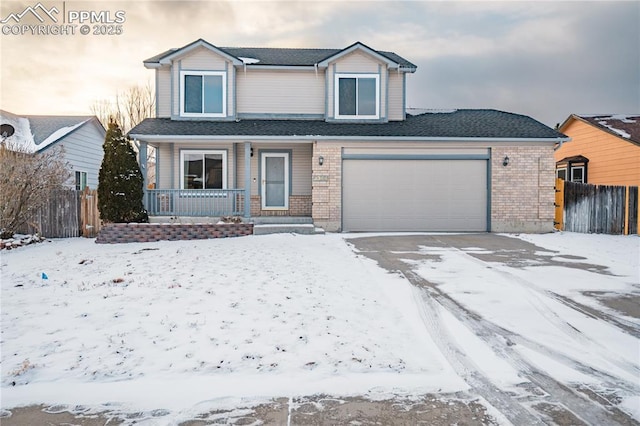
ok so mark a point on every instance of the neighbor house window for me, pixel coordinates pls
(561, 173)
(81, 180)
(203, 169)
(577, 174)
(357, 96)
(203, 94)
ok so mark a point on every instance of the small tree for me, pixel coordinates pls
(26, 180)
(120, 182)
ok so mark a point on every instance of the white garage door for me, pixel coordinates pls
(414, 195)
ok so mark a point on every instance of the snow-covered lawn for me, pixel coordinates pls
(197, 325)
(170, 324)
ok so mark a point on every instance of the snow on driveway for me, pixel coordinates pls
(200, 325)
(170, 324)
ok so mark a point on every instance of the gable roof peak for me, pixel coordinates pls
(274, 56)
(624, 126)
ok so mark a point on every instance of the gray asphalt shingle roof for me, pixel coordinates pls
(464, 123)
(43, 126)
(285, 56)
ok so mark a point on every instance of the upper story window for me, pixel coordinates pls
(203, 94)
(357, 96)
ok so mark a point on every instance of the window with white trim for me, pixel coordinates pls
(80, 180)
(203, 93)
(561, 173)
(203, 169)
(357, 96)
(577, 174)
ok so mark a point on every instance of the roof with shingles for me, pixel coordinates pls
(43, 126)
(625, 126)
(464, 123)
(285, 56)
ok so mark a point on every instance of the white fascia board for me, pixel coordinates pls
(310, 138)
(358, 46)
(200, 43)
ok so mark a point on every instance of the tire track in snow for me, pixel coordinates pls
(463, 366)
(502, 343)
(537, 294)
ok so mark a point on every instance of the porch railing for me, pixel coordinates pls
(194, 202)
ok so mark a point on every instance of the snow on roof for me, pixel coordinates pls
(618, 131)
(248, 61)
(60, 133)
(624, 125)
(22, 138)
(35, 133)
(418, 111)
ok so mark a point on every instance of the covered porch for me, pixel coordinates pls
(213, 179)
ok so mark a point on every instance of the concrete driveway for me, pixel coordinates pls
(546, 400)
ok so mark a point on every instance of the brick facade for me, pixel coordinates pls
(113, 233)
(523, 192)
(326, 180)
(299, 205)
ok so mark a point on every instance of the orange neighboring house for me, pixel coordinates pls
(603, 150)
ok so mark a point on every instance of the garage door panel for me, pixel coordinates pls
(414, 195)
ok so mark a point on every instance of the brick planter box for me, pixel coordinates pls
(114, 233)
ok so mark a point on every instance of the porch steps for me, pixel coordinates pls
(284, 225)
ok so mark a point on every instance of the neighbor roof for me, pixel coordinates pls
(465, 123)
(282, 56)
(43, 126)
(36, 132)
(625, 126)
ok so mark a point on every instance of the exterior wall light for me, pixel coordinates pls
(321, 160)
(505, 162)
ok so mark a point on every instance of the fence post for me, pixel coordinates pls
(558, 222)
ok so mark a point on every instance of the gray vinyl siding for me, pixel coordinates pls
(301, 155)
(163, 166)
(163, 92)
(395, 96)
(83, 151)
(280, 92)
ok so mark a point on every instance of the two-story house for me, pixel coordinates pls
(323, 134)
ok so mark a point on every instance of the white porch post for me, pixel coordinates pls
(247, 180)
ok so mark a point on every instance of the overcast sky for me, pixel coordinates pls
(543, 59)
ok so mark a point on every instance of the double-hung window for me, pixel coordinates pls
(357, 96)
(203, 94)
(203, 169)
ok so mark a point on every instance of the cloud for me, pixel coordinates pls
(545, 59)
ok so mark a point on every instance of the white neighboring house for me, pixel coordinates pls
(81, 138)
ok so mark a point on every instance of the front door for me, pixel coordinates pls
(275, 181)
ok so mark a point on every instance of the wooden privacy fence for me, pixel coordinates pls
(67, 213)
(600, 209)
